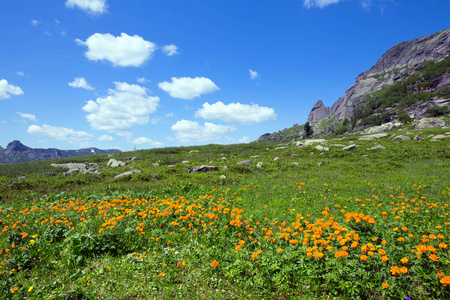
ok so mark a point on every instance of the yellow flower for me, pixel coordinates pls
(279, 250)
(30, 289)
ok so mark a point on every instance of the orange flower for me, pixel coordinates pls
(15, 289)
(214, 263)
(404, 270)
(445, 281)
(238, 247)
(385, 285)
(404, 260)
(279, 250)
(161, 275)
(384, 258)
(363, 257)
(318, 254)
(434, 257)
(395, 270)
(254, 255)
(443, 245)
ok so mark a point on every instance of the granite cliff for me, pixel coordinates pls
(409, 79)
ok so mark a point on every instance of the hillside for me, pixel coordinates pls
(409, 82)
(17, 152)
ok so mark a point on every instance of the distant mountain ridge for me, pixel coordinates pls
(17, 152)
(409, 78)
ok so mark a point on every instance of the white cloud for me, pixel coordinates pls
(190, 131)
(127, 105)
(253, 74)
(34, 22)
(121, 51)
(80, 82)
(19, 73)
(245, 139)
(27, 116)
(236, 113)
(144, 140)
(6, 89)
(170, 50)
(187, 87)
(142, 80)
(59, 133)
(92, 7)
(319, 3)
(105, 138)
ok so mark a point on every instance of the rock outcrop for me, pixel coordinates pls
(318, 112)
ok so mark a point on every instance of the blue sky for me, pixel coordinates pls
(159, 73)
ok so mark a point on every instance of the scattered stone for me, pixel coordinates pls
(377, 147)
(294, 154)
(383, 127)
(314, 141)
(321, 148)
(244, 163)
(21, 178)
(319, 164)
(440, 136)
(115, 163)
(312, 153)
(185, 162)
(259, 165)
(194, 151)
(48, 174)
(223, 177)
(155, 165)
(348, 148)
(77, 167)
(338, 145)
(373, 136)
(203, 168)
(132, 158)
(276, 158)
(254, 156)
(417, 138)
(129, 173)
(281, 148)
(224, 168)
(294, 163)
(402, 138)
(223, 158)
(68, 174)
(430, 122)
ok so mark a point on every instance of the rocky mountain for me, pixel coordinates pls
(18, 152)
(409, 78)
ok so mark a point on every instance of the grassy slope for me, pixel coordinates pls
(77, 261)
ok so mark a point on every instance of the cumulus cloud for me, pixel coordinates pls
(80, 82)
(319, 3)
(245, 140)
(6, 89)
(27, 116)
(144, 140)
(121, 51)
(170, 50)
(106, 138)
(59, 133)
(187, 87)
(125, 106)
(253, 74)
(190, 131)
(142, 80)
(92, 7)
(236, 113)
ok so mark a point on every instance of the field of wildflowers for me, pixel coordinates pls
(355, 227)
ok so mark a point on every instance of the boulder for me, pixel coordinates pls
(244, 163)
(281, 148)
(259, 165)
(77, 167)
(129, 173)
(373, 136)
(417, 138)
(430, 123)
(377, 147)
(401, 138)
(440, 136)
(203, 168)
(382, 127)
(321, 148)
(348, 148)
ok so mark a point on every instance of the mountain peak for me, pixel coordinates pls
(16, 146)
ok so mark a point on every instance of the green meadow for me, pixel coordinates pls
(307, 224)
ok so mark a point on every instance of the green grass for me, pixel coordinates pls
(92, 237)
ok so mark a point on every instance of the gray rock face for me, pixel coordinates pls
(244, 163)
(203, 168)
(401, 138)
(383, 127)
(405, 56)
(318, 112)
(114, 163)
(129, 173)
(430, 122)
